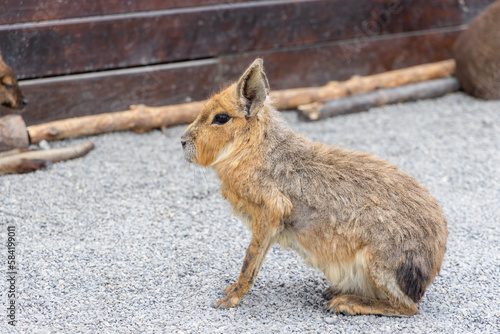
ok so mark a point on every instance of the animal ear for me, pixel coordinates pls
(253, 88)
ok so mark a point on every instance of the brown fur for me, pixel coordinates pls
(376, 233)
(477, 55)
(10, 94)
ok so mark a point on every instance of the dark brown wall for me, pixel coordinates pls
(103, 56)
(43, 10)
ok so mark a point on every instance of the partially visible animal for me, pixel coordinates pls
(376, 233)
(477, 55)
(10, 94)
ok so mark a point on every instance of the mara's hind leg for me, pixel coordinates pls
(353, 305)
(385, 292)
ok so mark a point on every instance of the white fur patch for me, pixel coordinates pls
(224, 153)
(345, 276)
(351, 276)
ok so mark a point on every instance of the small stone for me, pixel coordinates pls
(44, 145)
(330, 320)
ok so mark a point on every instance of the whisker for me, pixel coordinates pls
(206, 180)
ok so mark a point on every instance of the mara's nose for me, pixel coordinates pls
(183, 143)
(24, 101)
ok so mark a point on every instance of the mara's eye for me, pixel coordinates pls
(7, 86)
(221, 119)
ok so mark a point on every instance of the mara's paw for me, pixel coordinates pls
(342, 305)
(231, 288)
(331, 293)
(230, 300)
(353, 305)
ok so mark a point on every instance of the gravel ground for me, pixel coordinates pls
(132, 239)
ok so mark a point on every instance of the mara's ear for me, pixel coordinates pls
(253, 88)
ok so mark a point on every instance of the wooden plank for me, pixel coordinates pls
(16, 11)
(86, 94)
(315, 66)
(79, 95)
(99, 43)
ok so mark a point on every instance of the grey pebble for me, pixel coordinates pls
(44, 145)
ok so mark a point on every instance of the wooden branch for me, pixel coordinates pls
(12, 152)
(22, 166)
(32, 160)
(356, 103)
(12, 132)
(292, 98)
(139, 119)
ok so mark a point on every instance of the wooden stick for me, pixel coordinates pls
(32, 160)
(22, 166)
(12, 152)
(292, 98)
(356, 103)
(12, 132)
(139, 119)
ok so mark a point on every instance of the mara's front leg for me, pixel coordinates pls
(262, 236)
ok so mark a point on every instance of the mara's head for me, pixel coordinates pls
(10, 94)
(228, 119)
